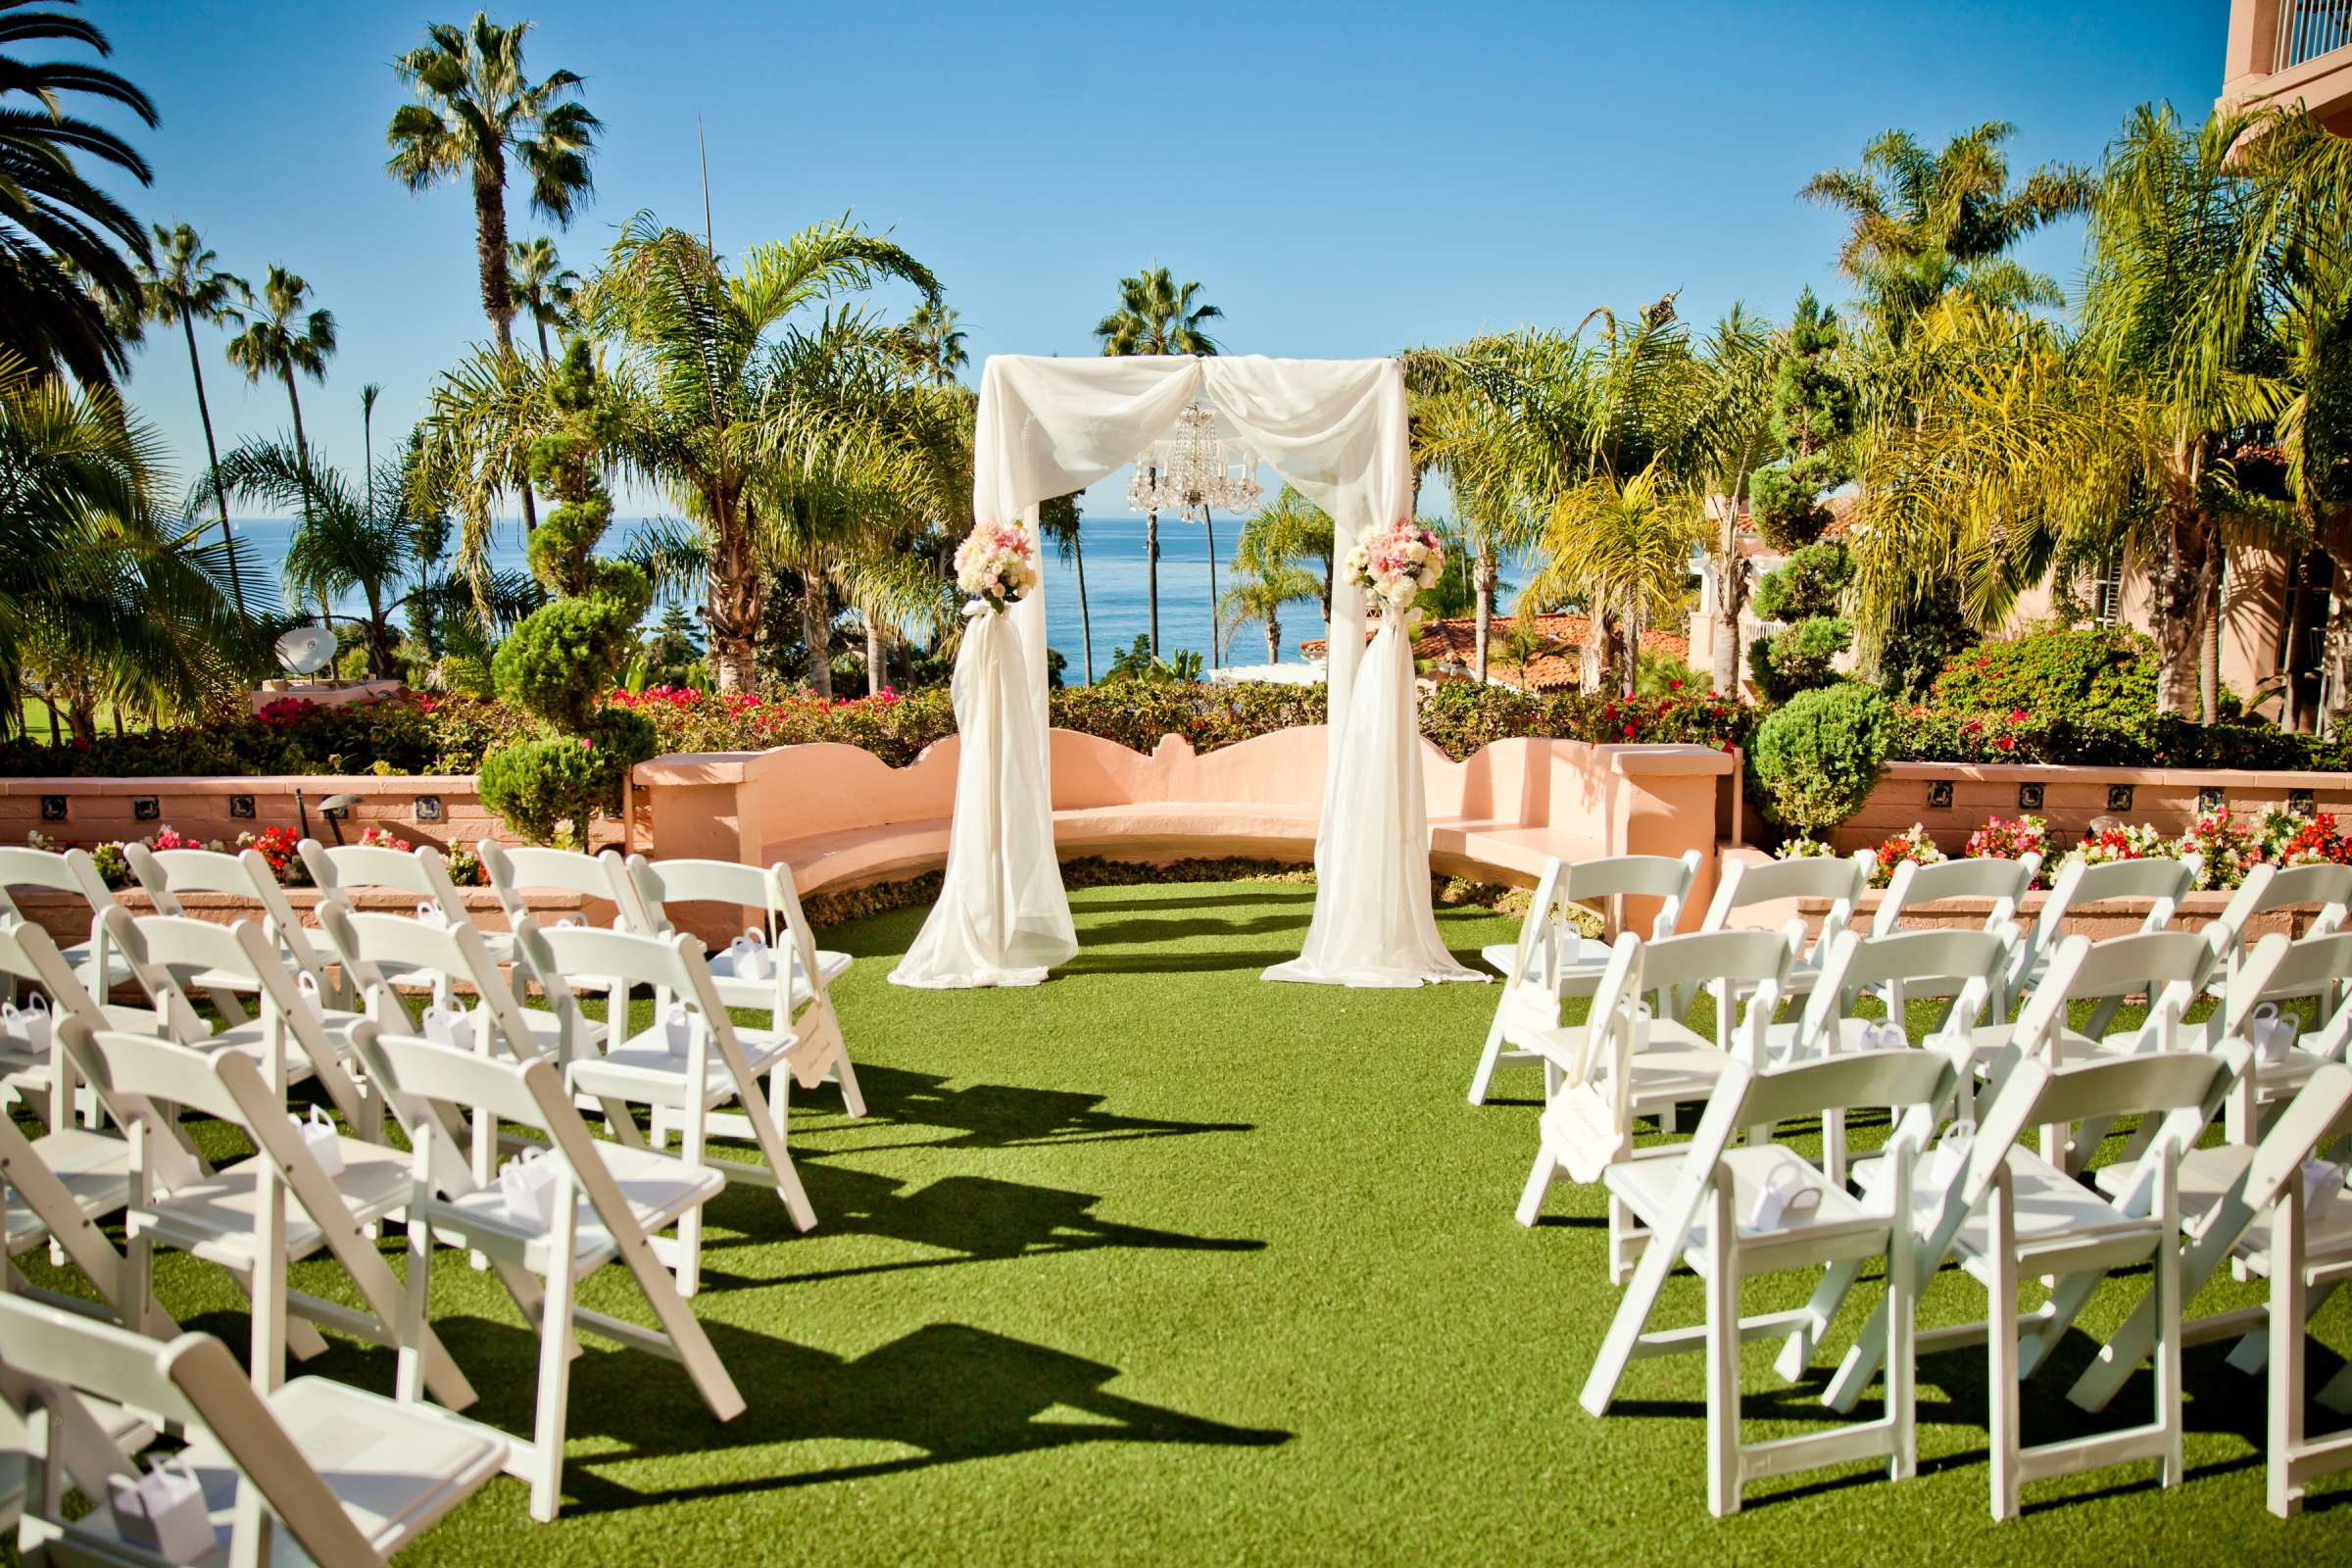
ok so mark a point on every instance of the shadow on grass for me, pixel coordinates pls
(1175, 928)
(995, 1115)
(1152, 962)
(1275, 893)
(957, 1219)
(948, 1390)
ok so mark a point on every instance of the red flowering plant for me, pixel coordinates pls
(2316, 843)
(1913, 846)
(384, 838)
(279, 846)
(2012, 839)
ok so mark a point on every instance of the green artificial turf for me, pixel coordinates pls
(1159, 1262)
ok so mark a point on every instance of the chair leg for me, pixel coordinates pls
(1538, 1183)
(2000, 1355)
(554, 1370)
(1723, 1357)
(1902, 1348)
(407, 1379)
(1625, 1329)
(1837, 1282)
(2288, 1316)
(1488, 1055)
(853, 1099)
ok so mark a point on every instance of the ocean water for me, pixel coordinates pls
(1116, 594)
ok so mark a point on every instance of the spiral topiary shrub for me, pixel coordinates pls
(1815, 758)
(541, 665)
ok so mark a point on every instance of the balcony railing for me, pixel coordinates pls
(2310, 28)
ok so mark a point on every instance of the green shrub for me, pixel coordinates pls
(2101, 675)
(559, 663)
(1798, 657)
(1810, 582)
(543, 787)
(1815, 758)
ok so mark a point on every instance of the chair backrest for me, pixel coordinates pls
(1704, 958)
(2316, 965)
(1975, 877)
(1634, 876)
(452, 950)
(1745, 883)
(339, 868)
(1962, 969)
(2160, 878)
(2271, 887)
(192, 1382)
(602, 875)
(671, 963)
(52, 872)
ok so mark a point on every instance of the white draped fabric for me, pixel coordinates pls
(1335, 428)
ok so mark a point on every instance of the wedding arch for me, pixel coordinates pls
(1335, 428)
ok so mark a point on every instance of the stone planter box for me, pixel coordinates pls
(1953, 799)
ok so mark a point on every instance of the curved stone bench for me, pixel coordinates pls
(842, 817)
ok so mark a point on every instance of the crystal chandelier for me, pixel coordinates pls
(1193, 473)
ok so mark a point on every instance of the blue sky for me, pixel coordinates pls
(1343, 178)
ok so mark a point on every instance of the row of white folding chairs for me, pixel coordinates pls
(1550, 962)
(1702, 1203)
(60, 1185)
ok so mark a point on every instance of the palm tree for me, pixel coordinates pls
(96, 590)
(367, 396)
(347, 542)
(65, 283)
(544, 286)
(477, 110)
(182, 286)
(1923, 224)
(762, 405)
(1058, 521)
(1267, 576)
(281, 339)
(1621, 545)
(934, 343)
(1157, 315)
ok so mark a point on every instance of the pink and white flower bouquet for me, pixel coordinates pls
(1393, 564)
(996, 565)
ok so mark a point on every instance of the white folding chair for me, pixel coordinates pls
(1746, 886)
(64, 1182)
(349, 1476)
(795, 992)
(1658, 1063)
(1732, 1211)
(2009, 1213)
(238, 1216)
(606, 1200)
(713, 1069)
(291, 1041)
(66, 871)
(168, 874)
(2256, 1205)
(2079, 885)
(1551, 960)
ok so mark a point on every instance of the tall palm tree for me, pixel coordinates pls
(182, 285)
(1157, 315)
(934, 341)
(97, 590)
(1266, 576)
(544, 286)
(1921, 223)
(1624, 545)
(1057, 521)
(747, 390)
(282, 339)
(477, 110)
(367, 396)
(349, 541)
(66, 281)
